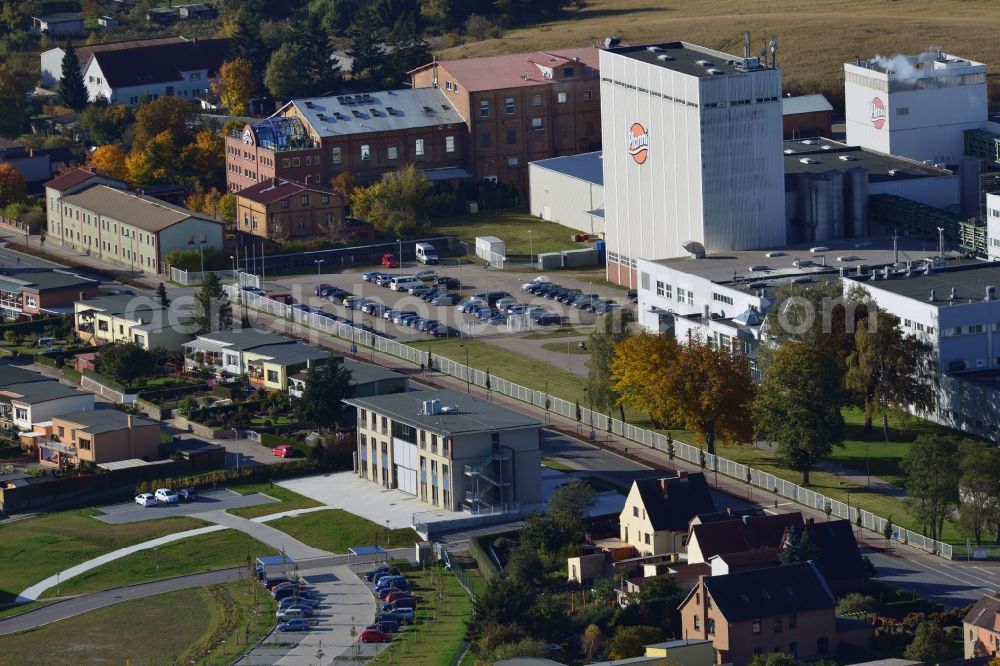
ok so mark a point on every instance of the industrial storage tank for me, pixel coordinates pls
(822, 194)
(856, 223)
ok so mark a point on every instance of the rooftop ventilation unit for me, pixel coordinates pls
(391, 111)
(359, 99)
(368, 98)
(808, 160)
(663, 57)
(848, 257)
(808, 142)
(448, 409)
(704, 63)
(321, 116)
(342, 116)
(819, 248)
(715, 72)
(757, 268)
(776, 253)
(846, 158)
(309, 104)
(825, 147)
(357, 114)
(789, 151)
(428, 109)
(695, 248)
(654, 49)
(373, 111)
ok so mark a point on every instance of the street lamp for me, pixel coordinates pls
(531, 250)
(400, 241)
(236, 436)
(468, 383)
(201, 253)
(318, 262)
(235, 280)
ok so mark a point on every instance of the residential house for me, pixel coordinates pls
(57, 25)
(836, 553)
(73, 181)
(98, 436)
(200, 11)
(449, 449)
(981, 628)
(150, 71)
(129, 229)
(657, 511)
(521, 107)
(228, 353)
(281, 210)
(366, 380)
(786, 609)
(312, 140)
(688, 652)
(51, 60)
(138, 319)
(32, 292)
(35, 168)
(24, 405)
(269, 366)
(162, 15)
(13, 374)
(739, 535)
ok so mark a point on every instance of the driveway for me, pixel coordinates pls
(351, 493)
(213, 500)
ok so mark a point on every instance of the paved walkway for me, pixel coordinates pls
(860, 479)
(276, 539)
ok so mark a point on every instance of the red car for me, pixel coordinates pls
(284, 451)
(389, 260)
(374, 636)
(397, 594)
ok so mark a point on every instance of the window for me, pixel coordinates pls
(697, 623)
(536, 124)
(660, 288)
(588, 95)
(777, 625)
(325, 199)
(561, 98)
(84, 444)
(511, 135)
(336, 155)
(755, 626)
(295, 161)
(792, 621)
(513, 162)
(418, 147)
(286, 162)
(392, 152)
(304, 200)
(484, 108)
(284, 203)
(21, 413)
(793, 649)
(508, 106)
(710, 626)
(366, 153)
(447, 85)
(646, 538)
(721, 298)
(536, 100)
(62, 431)
(635, 511)
(567, 71)
(309, 160)
(449, 144)
(301, 224)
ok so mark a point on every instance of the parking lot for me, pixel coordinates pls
(381, 309)
(213, 500)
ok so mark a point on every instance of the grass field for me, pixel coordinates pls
(36, 548)
(808, 62)
(511, 227)
(336, 531)
(440, 627)
(206, 552)
(287, 500)
(187, 626)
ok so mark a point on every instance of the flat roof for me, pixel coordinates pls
(816, 103)
(13, 374)
(362, 373)
(36, 392)
(241, 339)
(520, 70)
(122, 304)
(289, 354)
(822, 155)
(689, 59)
(734, 268)
(969, 281)
(471, 414)
(382, 111)
(41, 280)
(97, 421)
(588, 167)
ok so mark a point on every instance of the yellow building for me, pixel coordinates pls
(98, 436)
(126, 318)
(657, 512)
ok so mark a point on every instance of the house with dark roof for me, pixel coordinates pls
(366, 380)
(51, 60)
(836, 553)
(657, 512)
(739, 535)
(282, 210)
(35, 291)
(26, 404)
(57, 25)
(787, 609)
(981, 628)
(97, 436)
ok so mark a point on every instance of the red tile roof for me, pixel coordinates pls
(508, 71)
(70, 179)
(271, 190)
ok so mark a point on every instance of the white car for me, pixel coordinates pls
(167, 496)
(541, 279)
(145, 499)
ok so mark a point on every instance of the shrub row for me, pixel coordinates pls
(486, 565)
(256, 474)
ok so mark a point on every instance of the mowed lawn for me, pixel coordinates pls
(808, 62)
(437, 635)
(512, 227)
(35, 548)
(206, 552)
(287, 500)
(336, 530)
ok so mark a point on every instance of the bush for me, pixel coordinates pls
(223, 392)
(256, 474)
(486, 565)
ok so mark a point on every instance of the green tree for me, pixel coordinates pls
(125, 362)
(13, 188)
(365, 38)
(327, 385)
(14, 85)
(235, 84)
(284, 77)
(569, 505)
(161, 294)
(798, 548)
(322, 70)
(504, 603)
(524, 565)
(932, 480)
(856, 603)
(405, 49)
(72, 91)
(175, 115)
(798, 406)
(887, 369)
(773, 659)
(592, 643)
(631, 641)
(397, 204)
(930, 643)
(212, 311)
(611, 329)
(979, 489)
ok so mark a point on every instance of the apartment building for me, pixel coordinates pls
(312, 140)
(981, 628)
(126, 228)
(138, 319)
(521, 107)
(36, 291)
(449, 449)
(97, 436)
(282, 210)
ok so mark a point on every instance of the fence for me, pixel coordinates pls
(601, 423)
(187, 278)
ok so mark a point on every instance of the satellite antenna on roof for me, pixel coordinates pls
(774, 49)
(746, 45)
(695, 248)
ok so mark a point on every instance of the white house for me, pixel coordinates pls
(58, 25)
(26, 404)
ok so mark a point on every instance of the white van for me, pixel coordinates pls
(426, 254)
(404, 282)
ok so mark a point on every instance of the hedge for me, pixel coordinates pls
(255, 474)
(486, 565)
(36, 325)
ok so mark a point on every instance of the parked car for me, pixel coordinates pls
(145, 499)
(374, 636)
(405, 318)
(404, 616)
(291, 612)
(320, 288)
(569, 296)
(384, 279)
(271, 583)
(444, 331)
(299, 624)
(292, 601)
(537, 282)
(381, 570)
(401, 603)
(167, 496)
(396, 594)
(389, 260)
(253, 290)
(284, 451)
(283, 592)
(335, 292)
(491, 297)
(444, 299)
(391, 314)
(447, 282)
(370, 276)
(188, 494)
(421, 291)
(386, 626)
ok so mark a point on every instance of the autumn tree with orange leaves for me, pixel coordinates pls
(13, 188)
(109, 161)
(707, 390)
(236, 84)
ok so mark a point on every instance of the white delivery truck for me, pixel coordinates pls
(426, 254)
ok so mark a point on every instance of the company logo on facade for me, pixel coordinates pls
(248, 136)
(879, 114)
(638, 143)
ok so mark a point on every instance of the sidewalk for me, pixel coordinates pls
(276, 539)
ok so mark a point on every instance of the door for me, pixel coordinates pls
(547, 213)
